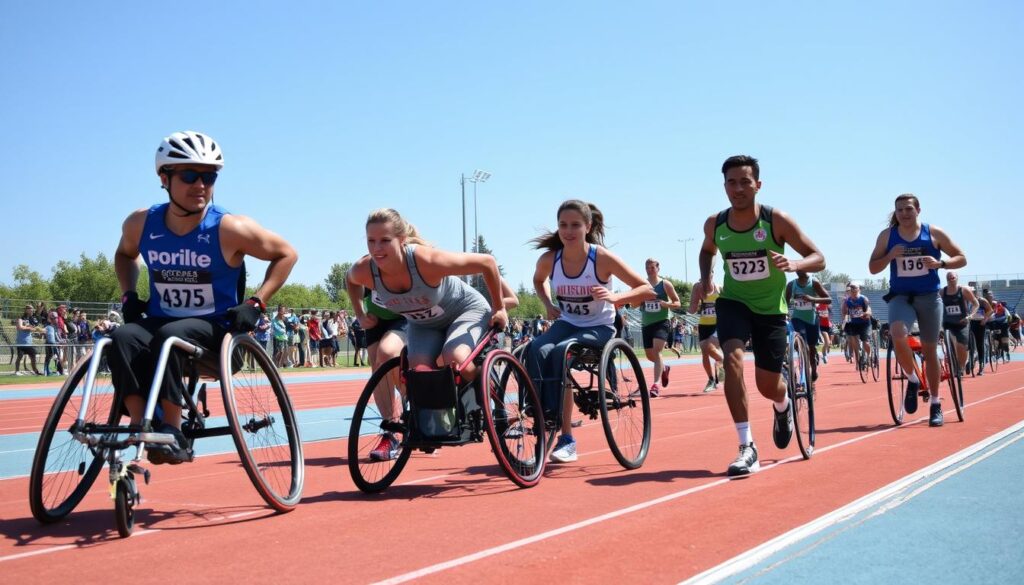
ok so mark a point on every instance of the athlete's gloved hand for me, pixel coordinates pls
(244, 317)
(132, 307)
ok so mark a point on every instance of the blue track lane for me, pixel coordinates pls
(965, 528)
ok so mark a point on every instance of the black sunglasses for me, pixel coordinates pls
(188, 176)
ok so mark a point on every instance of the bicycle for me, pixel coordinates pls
(83, 432)
(796, 370)
(402, 410)
(949, 372)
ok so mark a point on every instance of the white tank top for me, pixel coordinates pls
(573, 295)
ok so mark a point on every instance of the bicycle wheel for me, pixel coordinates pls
(262, 421)
(955, 378)
(377, 449)
(801, 395)
(896, 383)
(64, 469)
(876, 368)
(625, 404)
(513, 418)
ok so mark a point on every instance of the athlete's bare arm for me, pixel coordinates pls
(241, 236)
(788, 232)
(357, 280)
(609, 264)
(708, 249)
(434, 264)
(945, 244)
(508, 296)
(696, 296)
(823, 296)
(541, 285)
(126, 257)
(879, 258)
(673, 297)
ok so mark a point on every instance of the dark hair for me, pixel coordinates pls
(903, 197)
(742, 160)
(591, 215)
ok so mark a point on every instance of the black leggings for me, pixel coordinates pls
(136, 347)
(978, 331)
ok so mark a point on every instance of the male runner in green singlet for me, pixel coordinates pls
(752, 238)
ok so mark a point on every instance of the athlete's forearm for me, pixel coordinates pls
(127, 270)
(704, 260)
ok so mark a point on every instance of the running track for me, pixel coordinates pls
(454, 518)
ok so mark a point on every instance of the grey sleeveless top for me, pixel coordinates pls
(424, 305)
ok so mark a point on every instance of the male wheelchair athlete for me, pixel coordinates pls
(402, 410)
(608, 381)
(83, 430)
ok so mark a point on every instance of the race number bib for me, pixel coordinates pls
(575, 308)
(652, 306)
(802, 305)
(424, 314)
(856, 313)
(707, 309)
(747, 266)
(953, 311)
(184, 293)
(911, 266)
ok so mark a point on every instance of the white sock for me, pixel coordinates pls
(913, 378)
(743, 430)
(935, 399)
(782, 406)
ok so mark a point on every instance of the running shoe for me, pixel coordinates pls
(655, 391)
(782, 430)
(910, 400)
(664, 376)
(745, 463)
(710, 386)
(824, 357)
(565, 450)
(387, 448)
(935, 416)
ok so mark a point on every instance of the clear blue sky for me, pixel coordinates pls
(327, 110)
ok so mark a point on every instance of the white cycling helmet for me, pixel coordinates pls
(188, 147)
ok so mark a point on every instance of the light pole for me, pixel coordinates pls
(478, 177)
(686, 264)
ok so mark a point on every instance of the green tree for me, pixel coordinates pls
(827, 276)
(298, 295)
(91, 280)
(529, 305)
(335, 281)
(28, 284)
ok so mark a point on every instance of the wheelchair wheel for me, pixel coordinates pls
(625, 404)
(262, 421)
(64, 469)
(513, 418)
(124, 506)
(801, 395)
(896, 381)
(954, 378)
(377, 450)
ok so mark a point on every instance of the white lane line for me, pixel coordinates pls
(755, 555)
(44, 551)
(466, 559)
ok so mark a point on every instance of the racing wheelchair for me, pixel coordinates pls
(83, 430)
(402, 410)
(950, 371)
(607, 382)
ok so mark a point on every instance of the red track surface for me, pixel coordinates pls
(687, 516)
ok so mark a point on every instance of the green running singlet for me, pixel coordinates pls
(750, 275)
(651, 311)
